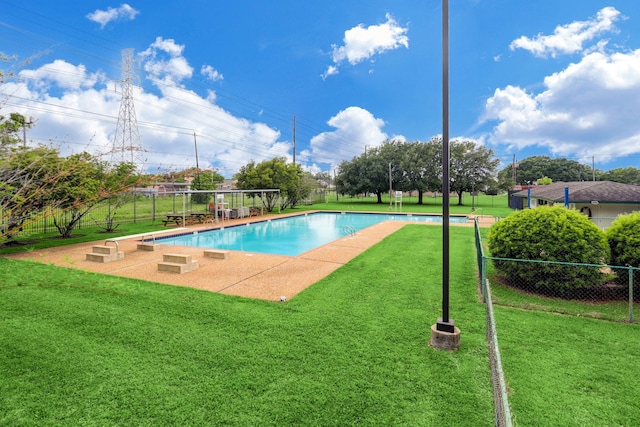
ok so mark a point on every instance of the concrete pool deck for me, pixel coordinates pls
(244, 274)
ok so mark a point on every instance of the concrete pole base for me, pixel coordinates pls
(442, 340)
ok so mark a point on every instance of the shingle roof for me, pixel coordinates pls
(586, 191)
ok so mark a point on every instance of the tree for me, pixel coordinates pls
(417, 166)
(369, 173)
(625, 247)
(84, 182)
(114, 197)
(299, 186)
(628, 175)
(422, 166)
(33, 179)
(505, 179)
(274, 174)
(545, 180)
(347, 181)
(205, 180)
(560, 169)
(472, 167)
(387, 163)
(9, 131)
(25, 179)
(323, 179)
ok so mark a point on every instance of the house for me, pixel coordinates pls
(601, 201)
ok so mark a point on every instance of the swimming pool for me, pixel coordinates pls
(292, 235)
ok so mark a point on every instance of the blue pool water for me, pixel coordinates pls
(291, 235)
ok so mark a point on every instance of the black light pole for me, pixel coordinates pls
(445, 324)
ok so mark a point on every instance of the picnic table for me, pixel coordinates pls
(189, 218)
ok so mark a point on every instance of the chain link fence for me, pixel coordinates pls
(601, 291)
(138, 206)
(500, 395)
(598, 291)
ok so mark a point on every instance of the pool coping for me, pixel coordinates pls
(246, 274)
(187, 232)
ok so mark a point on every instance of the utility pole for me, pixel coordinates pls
(26, 124)
(195, 143)
(294, 139)
(390, 186)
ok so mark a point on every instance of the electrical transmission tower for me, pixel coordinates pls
(126, 141)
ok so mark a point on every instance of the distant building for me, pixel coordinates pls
(164, 188)
(601, 201)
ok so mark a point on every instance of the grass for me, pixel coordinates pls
(569, 371)
(81, 348)
(562, 365)
(83, 235)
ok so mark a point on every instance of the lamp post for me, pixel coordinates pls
(444, 334)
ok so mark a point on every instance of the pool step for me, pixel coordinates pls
(103, 254)
(148, 246)
(216, 253)
(177, 263)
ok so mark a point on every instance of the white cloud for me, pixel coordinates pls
(160, 44)
(211, 73)
(76, 110)
(331, 70)
(570, 38)
(589, 107)
(62, 75)
(165, 64)
(103, 17)
(362, 43)
(356, 128)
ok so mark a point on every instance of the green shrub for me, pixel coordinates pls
(549, 234)
(624, 242)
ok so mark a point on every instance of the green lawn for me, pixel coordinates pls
(86, 349)
(567, 363)
(568, 370)
(81, 348)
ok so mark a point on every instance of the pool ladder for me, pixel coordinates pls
(349, 230)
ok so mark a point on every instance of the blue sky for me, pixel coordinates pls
(526, 78)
